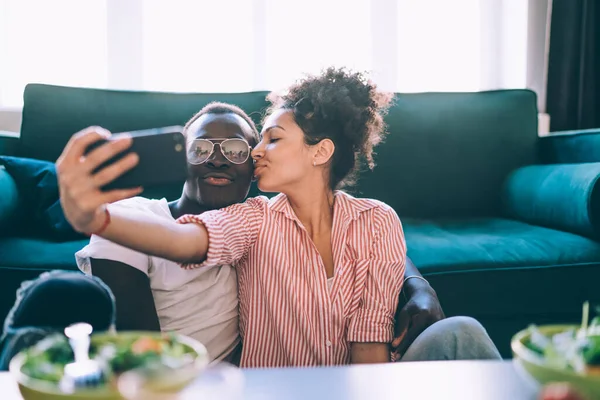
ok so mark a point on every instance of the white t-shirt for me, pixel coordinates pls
(201, 303)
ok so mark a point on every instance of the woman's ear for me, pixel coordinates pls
(324, 152)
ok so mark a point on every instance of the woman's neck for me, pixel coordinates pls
(314, 209)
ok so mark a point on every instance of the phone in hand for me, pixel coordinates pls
(162, 158)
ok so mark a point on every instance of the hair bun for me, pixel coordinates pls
(343, 106)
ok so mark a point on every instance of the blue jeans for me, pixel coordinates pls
(454, 338)
(49, 304)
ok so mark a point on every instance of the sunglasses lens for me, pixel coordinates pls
(199, 150)
(235, 150)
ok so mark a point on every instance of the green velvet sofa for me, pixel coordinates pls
(504, 224)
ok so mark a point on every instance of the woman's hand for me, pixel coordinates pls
(421, 310)
(80, 195)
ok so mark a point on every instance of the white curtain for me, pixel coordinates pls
(244, 45)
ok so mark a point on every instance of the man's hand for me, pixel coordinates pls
(421, 310)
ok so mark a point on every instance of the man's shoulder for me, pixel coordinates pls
(154, 206)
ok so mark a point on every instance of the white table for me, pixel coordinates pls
(460, 380)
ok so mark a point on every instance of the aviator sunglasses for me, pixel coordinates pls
(235, 150)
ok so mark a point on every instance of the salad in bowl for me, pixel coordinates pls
(563, 353)
(172, 360)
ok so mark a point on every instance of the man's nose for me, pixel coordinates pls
(217, 159)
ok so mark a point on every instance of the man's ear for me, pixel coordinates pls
(323, 152)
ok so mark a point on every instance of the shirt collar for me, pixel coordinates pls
(350, 206)
(281, 204)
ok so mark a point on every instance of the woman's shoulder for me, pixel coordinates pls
(260, 204)
(361, 204)
(264, 202)
(250, 206)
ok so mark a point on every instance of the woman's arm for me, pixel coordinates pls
(369, 353)
(371, 327)
(157, 236)
(131, 288)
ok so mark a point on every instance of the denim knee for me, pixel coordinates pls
(454, 338)
(51, 302)
(58, 298)
(465, 326)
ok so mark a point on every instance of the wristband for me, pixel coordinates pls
(415, 276)
(104, 225)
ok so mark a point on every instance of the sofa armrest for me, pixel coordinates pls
(9, 201)
(581, 146)
(560, 196)
(8, 143)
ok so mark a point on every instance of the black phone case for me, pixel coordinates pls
(162, 158)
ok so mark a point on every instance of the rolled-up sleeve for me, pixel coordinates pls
(373, 321)
(231, 231)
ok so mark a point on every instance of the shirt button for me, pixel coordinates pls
(339, 273)
(328, 343)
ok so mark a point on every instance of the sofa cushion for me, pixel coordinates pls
(504, 273)
(39, 211)
(559, 196)
(39, 254)
(9, 201)
(451, 245)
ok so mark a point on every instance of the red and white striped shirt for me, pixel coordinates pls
(288, 316)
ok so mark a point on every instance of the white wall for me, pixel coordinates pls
(10, 120)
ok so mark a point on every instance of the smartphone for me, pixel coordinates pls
(162, 158)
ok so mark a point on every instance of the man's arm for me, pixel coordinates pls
(131, 288)
(420, 310)
(414, 284)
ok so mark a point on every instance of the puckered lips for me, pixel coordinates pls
(258, 168)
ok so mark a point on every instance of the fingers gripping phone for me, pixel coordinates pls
(162, 158)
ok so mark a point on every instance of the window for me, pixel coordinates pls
(203, 46)
(244, 45)
(306, 36)
(62, 42)
(439, 45)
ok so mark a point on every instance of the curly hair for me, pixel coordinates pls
(216, 107)
(342, 106)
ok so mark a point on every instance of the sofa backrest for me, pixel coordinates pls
(51, 114)
(446, 155)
